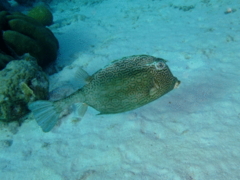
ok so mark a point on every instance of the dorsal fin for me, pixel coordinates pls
(81, 77)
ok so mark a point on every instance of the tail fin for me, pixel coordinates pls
(45, 114)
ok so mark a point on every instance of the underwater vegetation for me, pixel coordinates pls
(22, 34)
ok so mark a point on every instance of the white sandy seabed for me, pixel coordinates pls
(192, 133)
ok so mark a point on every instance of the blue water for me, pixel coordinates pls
(190, 133)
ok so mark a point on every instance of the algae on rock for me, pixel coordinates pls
(22, 81)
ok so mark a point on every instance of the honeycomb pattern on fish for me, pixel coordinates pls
(128, 83)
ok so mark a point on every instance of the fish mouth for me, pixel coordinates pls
(177, 83)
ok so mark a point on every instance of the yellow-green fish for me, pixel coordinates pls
(121, 86)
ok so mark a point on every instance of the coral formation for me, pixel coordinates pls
(42, 14)
(22, 34)
(22, 81)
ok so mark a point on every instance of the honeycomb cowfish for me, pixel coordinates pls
(123, 85)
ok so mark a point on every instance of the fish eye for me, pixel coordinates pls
(160, 65)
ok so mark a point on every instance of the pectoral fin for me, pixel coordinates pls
(154, 89)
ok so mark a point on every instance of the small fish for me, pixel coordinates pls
(123, 85)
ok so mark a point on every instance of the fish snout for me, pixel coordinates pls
(177, 83)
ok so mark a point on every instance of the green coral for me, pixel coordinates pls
(42, 14)
(25, 44)
(22, 34)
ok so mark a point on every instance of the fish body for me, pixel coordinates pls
(128, 83)
(123, 85)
